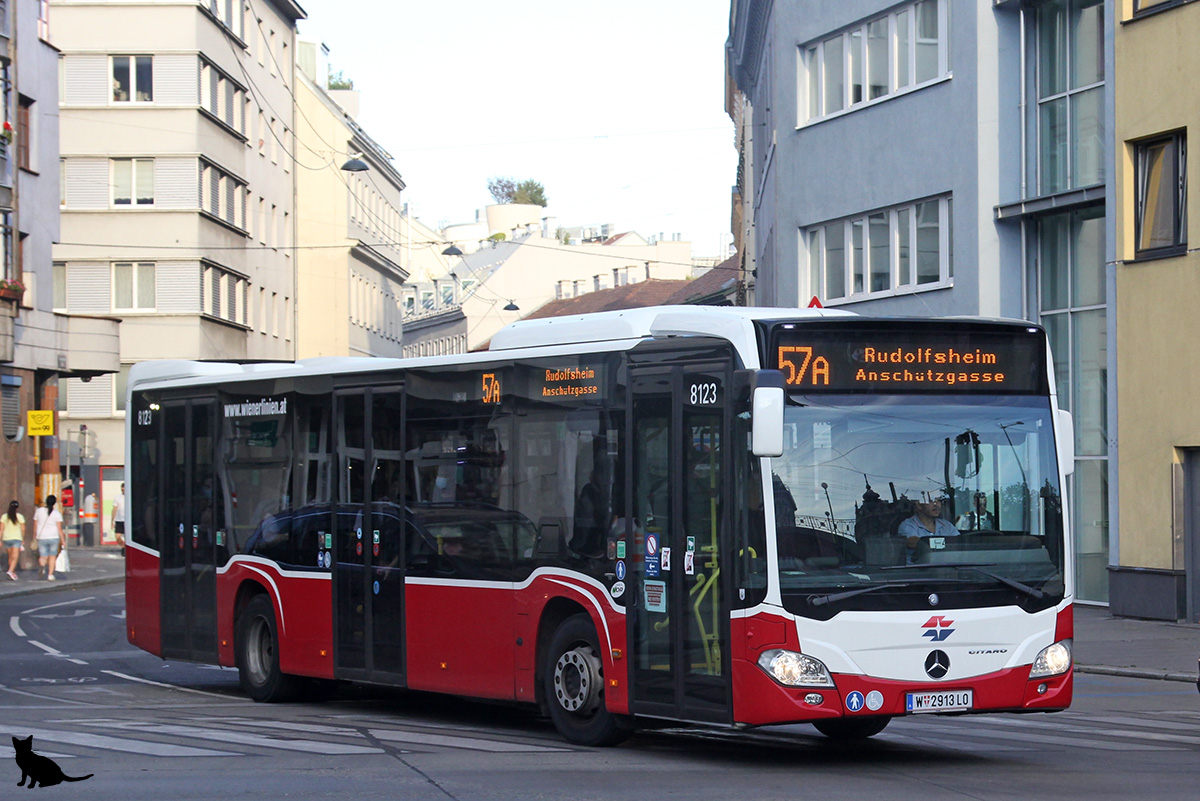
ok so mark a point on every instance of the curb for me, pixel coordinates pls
(58, 586)
(1134, 673)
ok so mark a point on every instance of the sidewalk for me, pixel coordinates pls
(90, 567)
(1148, 649)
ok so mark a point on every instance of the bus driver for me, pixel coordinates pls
(927, 522)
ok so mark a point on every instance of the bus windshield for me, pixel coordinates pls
(883, 502)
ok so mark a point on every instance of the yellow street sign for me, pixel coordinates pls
(41, 423)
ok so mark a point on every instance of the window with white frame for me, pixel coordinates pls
(230, 13)
(222, 195)
(883, 252)
(225, 295)
(133, 286)
(132, 79)
(133, 182)
(876, 59)
(222, 97)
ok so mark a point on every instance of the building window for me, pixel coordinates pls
(1140, 6)
(133, 182)
(25, 133)
(1070, 93)
(133, 286)
(133, 79)
(10, 406)
(1071, 302)
(225, 295)
(900, 51)
(882, 253)
(222, 195)
(59, 275)
(1161, 195)
(44, 20)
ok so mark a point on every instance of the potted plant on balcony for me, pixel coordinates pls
(11, 289)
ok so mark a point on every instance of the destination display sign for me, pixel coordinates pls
(911, 357)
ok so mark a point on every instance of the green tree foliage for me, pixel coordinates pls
(339, 81)
(531, 192)
(507, 190)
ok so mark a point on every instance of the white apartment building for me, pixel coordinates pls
(177, 186)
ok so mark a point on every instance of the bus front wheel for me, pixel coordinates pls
(258, 655)
(574, 686)
(852, 728)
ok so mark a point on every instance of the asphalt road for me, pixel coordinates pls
(150, 730)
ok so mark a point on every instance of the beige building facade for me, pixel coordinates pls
(1157, 283)
(352, 237)
(177, 191)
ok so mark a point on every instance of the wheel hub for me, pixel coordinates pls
(577, 681)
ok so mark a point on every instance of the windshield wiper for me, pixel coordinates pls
(834, 597)
(1032, 592)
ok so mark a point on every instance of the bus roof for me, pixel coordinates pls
(611, 330)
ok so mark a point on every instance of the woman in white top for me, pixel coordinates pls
(13, 523)
(48, 527)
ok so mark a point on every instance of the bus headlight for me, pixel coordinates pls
(1053, 660)
(794, 670)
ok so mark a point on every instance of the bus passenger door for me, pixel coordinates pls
(191, 517)
(678, 616)
(368, 575)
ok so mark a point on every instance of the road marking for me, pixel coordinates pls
(14, 623)
(1028, 737)
(1108, 732)
(56, 652)
(469, 743)
(60, 603)
(283, 724)
(76, 613)
(261, 741)
(109, 743)
(127, 677)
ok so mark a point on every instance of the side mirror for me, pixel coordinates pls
(1066, 441)
(766, 413)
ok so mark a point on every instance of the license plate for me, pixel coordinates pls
(944, 701)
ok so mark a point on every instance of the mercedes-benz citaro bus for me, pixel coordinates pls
(719, 516)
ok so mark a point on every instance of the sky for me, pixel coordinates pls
(616, 109)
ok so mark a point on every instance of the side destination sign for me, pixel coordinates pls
(912, 357)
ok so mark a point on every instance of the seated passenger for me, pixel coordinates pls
(979, 519)
(927, 522)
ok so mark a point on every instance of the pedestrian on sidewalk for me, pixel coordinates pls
(118, 518)
(48, 524)
(14, 532)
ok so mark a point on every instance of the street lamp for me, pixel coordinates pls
(512, 307)
(452, 251)
(355, 164)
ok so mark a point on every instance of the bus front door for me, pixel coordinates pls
(678, 616)
(368, 577)
(191, 518)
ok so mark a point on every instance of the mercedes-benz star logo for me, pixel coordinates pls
(937, 664)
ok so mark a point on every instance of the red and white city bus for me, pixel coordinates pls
(701, 515)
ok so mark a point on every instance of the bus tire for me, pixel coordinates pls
(257, 655)
(574, 686)
(852, 728)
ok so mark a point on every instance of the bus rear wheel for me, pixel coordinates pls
(574, 687)
(852, 728)
(257, 655)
